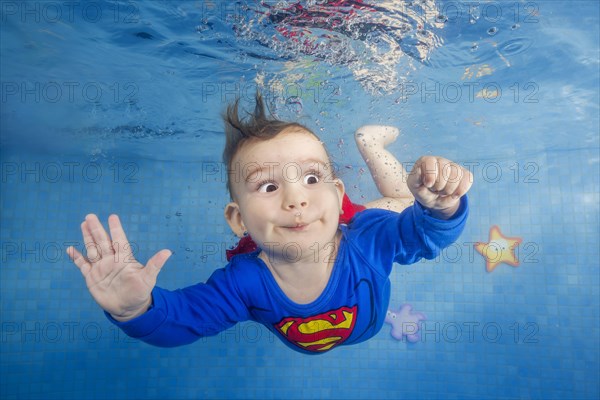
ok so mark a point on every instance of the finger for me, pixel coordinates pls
(91, 248)
(447, 177)
(99, 235)
(414, 177)
(79, 260)
(416, 187)
(429, 171)
(451, 175)
(439, 186)
(120, 242)
(464, 185)
(156, 262)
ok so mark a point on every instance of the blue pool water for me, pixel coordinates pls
(113, 107)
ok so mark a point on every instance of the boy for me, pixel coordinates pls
(314, 283)
(388, 174)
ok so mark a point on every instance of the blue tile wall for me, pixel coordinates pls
(525, 332)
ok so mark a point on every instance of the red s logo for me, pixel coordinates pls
(321, 332)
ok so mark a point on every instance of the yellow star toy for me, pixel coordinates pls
(500, 249)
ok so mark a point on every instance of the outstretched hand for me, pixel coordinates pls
(438, 184)
(119, 284)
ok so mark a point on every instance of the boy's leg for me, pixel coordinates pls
(389, 175)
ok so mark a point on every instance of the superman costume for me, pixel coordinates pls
(351, 308)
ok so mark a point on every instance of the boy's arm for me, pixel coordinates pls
(384, 237)
(125, 290)
(439, 214)
(435, 221)
(182, 316)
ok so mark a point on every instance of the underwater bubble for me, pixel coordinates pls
(203, 28)
(474, 47)
(144, 35)
(515, 46)
(515, 26)
(492, 31)
(441, 18)
(335, 21)
(294, 104)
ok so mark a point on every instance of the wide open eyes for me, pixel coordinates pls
(311, 179)
(266, 187)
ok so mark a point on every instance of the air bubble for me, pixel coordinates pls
(492, 31)
(294, 104)
(441, 18)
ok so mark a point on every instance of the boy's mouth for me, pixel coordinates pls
(300, 226)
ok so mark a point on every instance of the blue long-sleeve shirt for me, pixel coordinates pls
(351, 308)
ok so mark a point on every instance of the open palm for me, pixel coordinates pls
(119, 284)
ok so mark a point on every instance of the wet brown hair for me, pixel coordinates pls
(258, 126)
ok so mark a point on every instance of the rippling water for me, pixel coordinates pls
(154, 73)
(371, 39)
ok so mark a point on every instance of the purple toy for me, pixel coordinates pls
(405, 323)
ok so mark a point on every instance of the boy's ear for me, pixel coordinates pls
(341, 190)
(234, 219)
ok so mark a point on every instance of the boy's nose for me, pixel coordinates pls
(295, 199)
(296, 205)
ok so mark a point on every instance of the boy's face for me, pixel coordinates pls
(285, 195)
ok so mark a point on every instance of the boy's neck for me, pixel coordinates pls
(304, 280)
